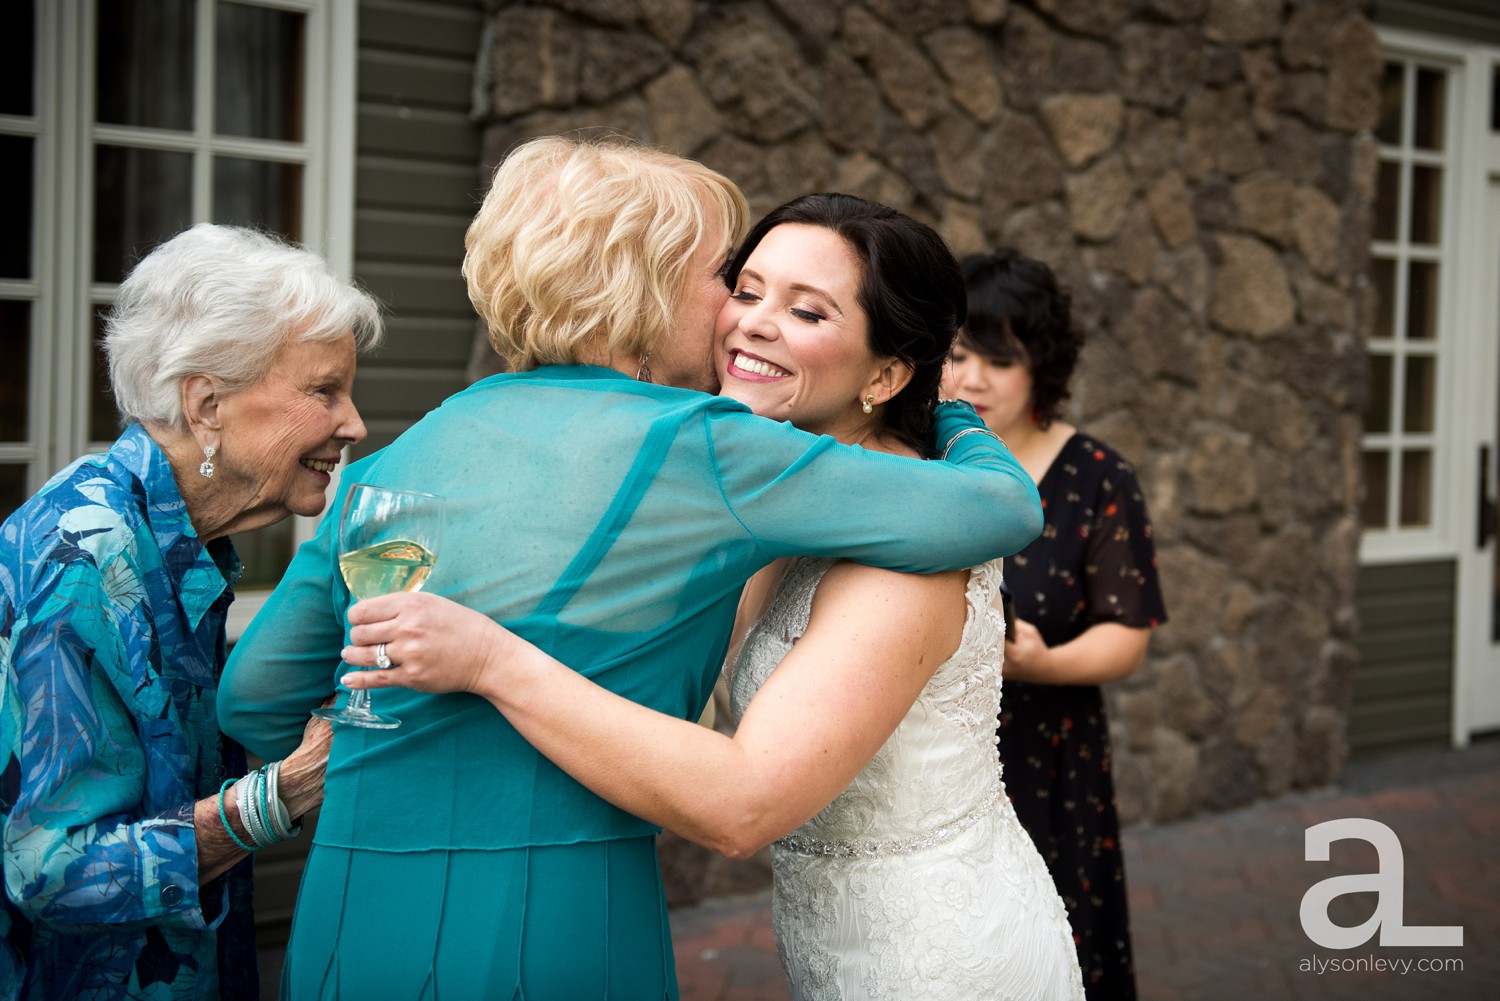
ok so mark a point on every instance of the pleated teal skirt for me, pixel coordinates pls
(580, 922)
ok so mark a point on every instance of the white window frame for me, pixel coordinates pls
(63, 298)
(1453, 445)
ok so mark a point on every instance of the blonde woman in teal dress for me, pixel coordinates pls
(865, 699)
(603, 507)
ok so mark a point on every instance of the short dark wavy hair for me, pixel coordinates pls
(911, 291)
(1018, 312)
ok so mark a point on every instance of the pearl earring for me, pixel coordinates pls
(206, 468)
(869, 405)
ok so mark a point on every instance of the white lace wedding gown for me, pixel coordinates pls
(918, 881)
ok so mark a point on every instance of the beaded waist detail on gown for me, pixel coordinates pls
(804, 845)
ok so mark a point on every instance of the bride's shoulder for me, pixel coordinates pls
(918, 599)
(847, 575)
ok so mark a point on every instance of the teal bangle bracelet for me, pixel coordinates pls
(265, 806)
(225, 817)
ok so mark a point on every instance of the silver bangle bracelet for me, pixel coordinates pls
(244, 795)
(263, 835)
(986, 431)
(281, 821)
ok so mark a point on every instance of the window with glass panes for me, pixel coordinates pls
(1400, 441)
(21, 287)
(129, 121)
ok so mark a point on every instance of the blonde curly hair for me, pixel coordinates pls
(587, 242)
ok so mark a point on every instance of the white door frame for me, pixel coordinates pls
(1476, 688)
(1476, 682)
(1468, 416)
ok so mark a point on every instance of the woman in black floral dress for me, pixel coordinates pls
(1086, 598)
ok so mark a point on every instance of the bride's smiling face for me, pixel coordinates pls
(793, 340)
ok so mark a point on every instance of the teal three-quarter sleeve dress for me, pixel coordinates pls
(612, 523)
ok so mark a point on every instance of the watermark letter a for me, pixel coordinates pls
(1387, 883)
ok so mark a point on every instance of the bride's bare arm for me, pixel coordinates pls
(873, 641)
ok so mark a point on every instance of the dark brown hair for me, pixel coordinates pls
(911, 291)
(1018, 312)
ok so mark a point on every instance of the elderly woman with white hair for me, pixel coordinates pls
(125, 814)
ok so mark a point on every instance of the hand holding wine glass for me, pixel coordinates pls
(388, 542)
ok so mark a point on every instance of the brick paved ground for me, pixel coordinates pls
(1215, 900)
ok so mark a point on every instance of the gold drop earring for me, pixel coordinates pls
(868, 406)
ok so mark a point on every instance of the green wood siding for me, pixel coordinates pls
(1471, 20)
(1403, 686)
(418, 183)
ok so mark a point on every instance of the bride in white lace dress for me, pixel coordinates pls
(915, 882)
(918, 881)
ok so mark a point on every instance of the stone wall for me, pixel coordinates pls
(1198, 171)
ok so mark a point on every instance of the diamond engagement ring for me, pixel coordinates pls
(382, 661)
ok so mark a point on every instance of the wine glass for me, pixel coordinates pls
(388, 542)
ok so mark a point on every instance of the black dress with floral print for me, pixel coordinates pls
(1094, 562)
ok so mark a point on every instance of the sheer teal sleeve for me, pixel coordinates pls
(799, 494)
(789, 492)
(287, 661)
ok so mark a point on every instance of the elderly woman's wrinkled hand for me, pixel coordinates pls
(302, 770)
(317, 737)
(433, 644)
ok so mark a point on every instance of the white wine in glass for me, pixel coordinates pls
(388, 542)
(386, 567)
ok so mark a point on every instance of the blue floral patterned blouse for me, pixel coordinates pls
(112, 640)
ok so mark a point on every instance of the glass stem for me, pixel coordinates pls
(359, 700)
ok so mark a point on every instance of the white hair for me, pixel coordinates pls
(222, 300)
